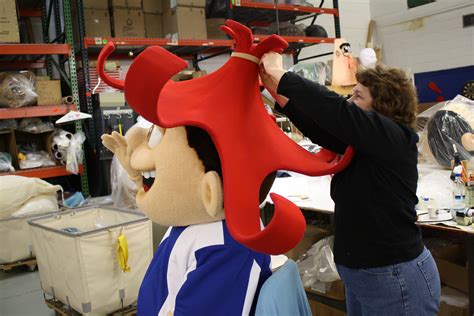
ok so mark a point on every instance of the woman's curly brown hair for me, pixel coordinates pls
(392, 92)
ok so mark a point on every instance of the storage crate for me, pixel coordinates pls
(77, 257)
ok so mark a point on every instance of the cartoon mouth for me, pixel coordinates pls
(148, 178)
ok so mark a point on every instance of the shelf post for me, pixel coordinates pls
(74, 85)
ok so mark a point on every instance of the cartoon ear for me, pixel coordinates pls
(212, 194)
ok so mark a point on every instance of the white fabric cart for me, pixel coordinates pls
(15, 241)
(78, 259)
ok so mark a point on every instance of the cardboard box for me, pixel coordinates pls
(213, 30)
(319, 309)
(453, 303)
(171, 4)
(97, 23)
(135, 4)
(153, 6)
(153, 25)
(185, 23)
(41, 141)
(49, 92)
(334, 290)
(129, 23)
(452, 266)
(9, 32)
(96, 4)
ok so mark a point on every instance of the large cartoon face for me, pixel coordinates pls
(176, 189)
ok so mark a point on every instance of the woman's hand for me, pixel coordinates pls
(271, 71)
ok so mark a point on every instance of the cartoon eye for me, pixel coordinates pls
(154, 136)
(345, 48)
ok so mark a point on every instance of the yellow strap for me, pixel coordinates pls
(122, 253)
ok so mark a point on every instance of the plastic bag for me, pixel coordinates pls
(318, 72)
(6, 162)
(17, 89)
(124, 190)
(75, 153)
(75, 200)
(8, 124)
(35, 125)
(319, 266)
(36, 159)
(447, 124)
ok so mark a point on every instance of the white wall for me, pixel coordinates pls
(425, 38)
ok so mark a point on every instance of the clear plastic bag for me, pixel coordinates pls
(17, 89)
(319, 266)
(444, 130)
(8, 124)
(36, 159)
(35, 125)
(6, 162)
(75, 153)
(318, 72)
(124, 190)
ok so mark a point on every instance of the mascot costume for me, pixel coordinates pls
(202, 169)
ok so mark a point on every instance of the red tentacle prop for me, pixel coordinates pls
(104, 54)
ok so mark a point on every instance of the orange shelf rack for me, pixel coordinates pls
(35, 49)
(36, 111)
(282, 7)
(100, 41)
(184, 47)
(46, 172)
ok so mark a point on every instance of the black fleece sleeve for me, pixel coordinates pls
(311, 130)
(367, 131)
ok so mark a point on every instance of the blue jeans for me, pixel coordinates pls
(407, 288)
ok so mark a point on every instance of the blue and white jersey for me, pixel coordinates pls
(202, 270)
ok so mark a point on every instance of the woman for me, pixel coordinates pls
(378, 248)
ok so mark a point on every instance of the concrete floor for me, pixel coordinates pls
(21, 294)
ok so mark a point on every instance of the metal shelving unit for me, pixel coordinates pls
(245, 11)
(37, 56)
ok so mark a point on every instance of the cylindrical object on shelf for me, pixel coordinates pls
(68, 100)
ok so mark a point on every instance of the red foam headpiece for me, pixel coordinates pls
(227, 105)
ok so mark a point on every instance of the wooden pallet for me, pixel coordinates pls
(30, 263)
(62, 309)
